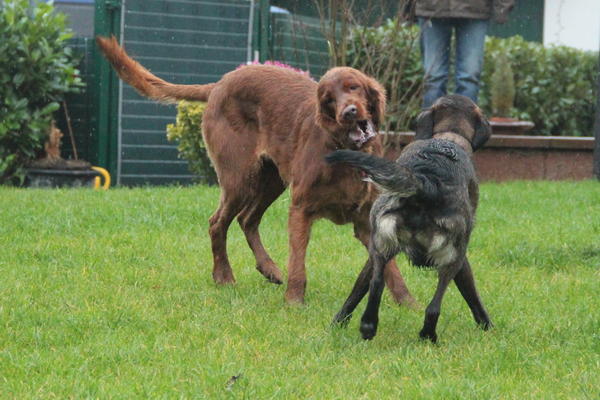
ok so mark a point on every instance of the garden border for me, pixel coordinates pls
(508, 157)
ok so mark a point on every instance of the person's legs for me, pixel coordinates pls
(435, 49)
(470, 43)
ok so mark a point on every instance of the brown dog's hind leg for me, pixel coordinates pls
(218, 226)
(270, 188)
(299, 225)
(235, 162)
(395, 283)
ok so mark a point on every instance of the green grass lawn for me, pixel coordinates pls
(109, 295)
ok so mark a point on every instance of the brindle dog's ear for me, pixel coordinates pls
(483, 130)
(376, 101)
(425, 125)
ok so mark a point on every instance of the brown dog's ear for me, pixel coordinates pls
(325, 109)
(424, 125)
(376, 101)
(483, 131)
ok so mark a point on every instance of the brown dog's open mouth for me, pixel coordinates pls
(363, 132)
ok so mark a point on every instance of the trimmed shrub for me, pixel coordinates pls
(36, 70)
(187, 132)
(555, 86)
(502, 88)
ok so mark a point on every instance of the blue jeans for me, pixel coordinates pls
(436, 34)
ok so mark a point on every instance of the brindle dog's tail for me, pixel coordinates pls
(386, 174)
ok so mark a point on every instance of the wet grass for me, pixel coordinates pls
(109, 295)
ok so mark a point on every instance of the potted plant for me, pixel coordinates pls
(51, 170)
(503, 98)
(40, 71)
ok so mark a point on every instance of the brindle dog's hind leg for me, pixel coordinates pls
(466, 285)
(361, 287)
(432, 312)
(392, 276)
(370, 318)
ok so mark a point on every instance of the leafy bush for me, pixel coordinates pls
(188, 133)
(555, 86)
(36, 70)
(390, 54)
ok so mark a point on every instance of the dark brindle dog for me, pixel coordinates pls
(426, 209)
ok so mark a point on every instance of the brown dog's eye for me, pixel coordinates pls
(354, 87)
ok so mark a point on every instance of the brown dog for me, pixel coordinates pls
(267, 128)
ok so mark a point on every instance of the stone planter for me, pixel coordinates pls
(509, 126)
(507, 157)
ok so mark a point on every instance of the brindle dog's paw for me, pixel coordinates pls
(486, 325)
(341, 319)
(432, 336)
(368, 329)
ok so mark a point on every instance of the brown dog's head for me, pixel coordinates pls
(454, 114)
(351, 105)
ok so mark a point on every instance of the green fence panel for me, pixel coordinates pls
(105, 90)
(297, 40)
(526, 19)
(185, 42)
(79, 105)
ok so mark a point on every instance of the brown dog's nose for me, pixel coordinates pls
(349, 112)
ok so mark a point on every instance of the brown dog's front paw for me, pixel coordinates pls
(223, 276)
(271, 272)
(294, 301)
(292, 297)
(295, 291)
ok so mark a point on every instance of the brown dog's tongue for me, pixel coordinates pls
(357, 136)
(360, 137)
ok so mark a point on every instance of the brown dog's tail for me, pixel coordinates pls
(146, 83)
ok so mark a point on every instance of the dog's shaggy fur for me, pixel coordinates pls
(427, 209)
(267, 128)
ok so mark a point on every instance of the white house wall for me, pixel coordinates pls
(574, 23)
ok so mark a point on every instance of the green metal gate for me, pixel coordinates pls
(182, 41)
(297, 40)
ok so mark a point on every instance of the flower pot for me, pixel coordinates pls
(55, 178)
